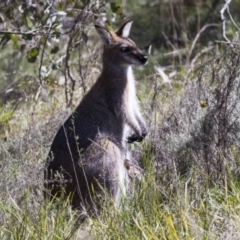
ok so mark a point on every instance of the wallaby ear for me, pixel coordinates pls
(104, 34)
(124, 29)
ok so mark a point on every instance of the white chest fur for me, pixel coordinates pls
(130, 101)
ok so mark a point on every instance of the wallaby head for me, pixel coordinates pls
(118, 48)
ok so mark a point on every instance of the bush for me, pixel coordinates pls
(201, 130)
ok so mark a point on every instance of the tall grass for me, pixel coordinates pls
(191, 160)
(43, 221)
(183, 195)
(183, 211)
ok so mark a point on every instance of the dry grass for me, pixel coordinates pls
(190, 189)
(191, 157)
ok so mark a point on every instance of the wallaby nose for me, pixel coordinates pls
(143, 58)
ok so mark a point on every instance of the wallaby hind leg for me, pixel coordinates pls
(100, 169)
(105, 168)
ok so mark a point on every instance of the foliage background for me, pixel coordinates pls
(189, 94)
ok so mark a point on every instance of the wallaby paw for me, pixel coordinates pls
(133, 169)
(144, 133)
(135, 138)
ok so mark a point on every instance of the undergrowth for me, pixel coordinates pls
(185, 211)
(190, 188)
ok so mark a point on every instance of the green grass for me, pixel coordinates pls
(187, 212)
(190, 189)
(181, 208)
(164, 205)
(41, 221)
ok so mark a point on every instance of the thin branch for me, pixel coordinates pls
(42, 55)
(44, 45)
(197, 37)
(193, 62)
(225, 7)
(172, 46)
(70, 46)
(234, 23)
(32, 32)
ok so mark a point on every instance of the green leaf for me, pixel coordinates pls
(14, 38)
(84, 37)
(56, 34)
(116, 8)
(41, 3)
(29, 22)
(54, 50)
(43, 39)
(5, 116)
(85, 2)
(9, 13)
(4, 40)
(32, 55)
(27, 37)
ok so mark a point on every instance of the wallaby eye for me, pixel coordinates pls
(125, 49)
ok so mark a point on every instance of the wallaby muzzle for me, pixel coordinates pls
(143, 58)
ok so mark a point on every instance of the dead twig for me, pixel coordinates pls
(197, 37)
(225, 7)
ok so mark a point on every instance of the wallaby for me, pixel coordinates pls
(88, 153)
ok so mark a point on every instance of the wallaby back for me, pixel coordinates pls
(88, 153)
